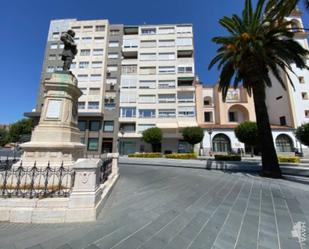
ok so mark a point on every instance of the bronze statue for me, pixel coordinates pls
(70, 49)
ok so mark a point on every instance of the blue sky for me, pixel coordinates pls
(24, 25)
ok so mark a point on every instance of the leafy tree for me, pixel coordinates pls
(260, 43)
(193, 135)
(247, 133)
(3, 137)
(19, 129)
(154, 137)
(302, 134)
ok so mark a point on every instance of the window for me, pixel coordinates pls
(284, 143)
(143, 127)
(128, 97)
(207, 101)
(166, 30)
(147, 84)
(95, 125)
(128, 112)
(56, 35)
(307, 113)
(167, 56)
(147, 99)
(166, 43)
(93, 144)
(54, 46)
(113, 55)
(282, 121)
(147, 113)
(98, 39)
(86, 39)
(114, 31)
(82, 77)
(184, 111)
(76, 27)
(84, 52)
(112, 68)
(84, 64)
(184, 42)
(147, 70)
(84, 90)
(61, 46)
(221, 143)
(185, 69)
(95, 77)
(128, 82)
(96, 64)
(50, 69)
(73, 65)
(148, 44)
(166, 70)
(128, 128)
(185, 97)
(52, 57)
(167, 113)
(301, 79)
(82, 125)
(207, 117)
(58, 68)
(130, 43)
(93, 105)
(99, 28)
(81, 105)
(147, 56)
(167, 98)
(304, 95)
(88, 28)
(111, 81)
(94, 91)
(232, 117)
(148, 31)
(184, 29)
(76, 40)
(167, 83)
(108, 126)
(280, 97)
(129, 69)
(97, 52)
(113, 44)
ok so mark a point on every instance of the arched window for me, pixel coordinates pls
(284, 143)
(221, 143)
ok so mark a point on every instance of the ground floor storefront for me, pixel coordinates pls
(224, 141)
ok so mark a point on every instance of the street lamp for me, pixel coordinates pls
(121, 141)
(209, 130)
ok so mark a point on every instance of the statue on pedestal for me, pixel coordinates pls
(70, 49)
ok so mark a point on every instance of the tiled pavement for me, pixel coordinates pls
(180, 208)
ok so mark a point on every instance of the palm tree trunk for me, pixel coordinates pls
(270, 165)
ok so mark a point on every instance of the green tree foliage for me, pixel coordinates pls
(193, 135)
(302, 134)
(154, 137)
(19, 129)
(259, 43)
(3, 137)
(247, 133)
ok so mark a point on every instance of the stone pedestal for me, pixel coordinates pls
(56, 139)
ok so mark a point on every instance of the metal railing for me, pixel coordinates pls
(105, 169)
(7, 163)
(36, 182)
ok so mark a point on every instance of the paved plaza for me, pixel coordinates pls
(155, 207)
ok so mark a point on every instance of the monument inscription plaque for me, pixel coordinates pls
(53, 109)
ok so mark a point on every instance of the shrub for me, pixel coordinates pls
(302, 134)
(291, 159)
(227, 158)
(181, 156)
(146, 155)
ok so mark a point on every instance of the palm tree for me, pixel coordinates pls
(258, 45)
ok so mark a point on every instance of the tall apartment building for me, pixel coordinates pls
(157, 85)
(96, 67)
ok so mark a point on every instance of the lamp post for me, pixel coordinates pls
(121, 141)
(209, 130)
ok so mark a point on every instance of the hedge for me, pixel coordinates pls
(181, 156)
(146, 155)
(227, 158)
(285, 159)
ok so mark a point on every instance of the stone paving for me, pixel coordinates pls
(180, 208)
